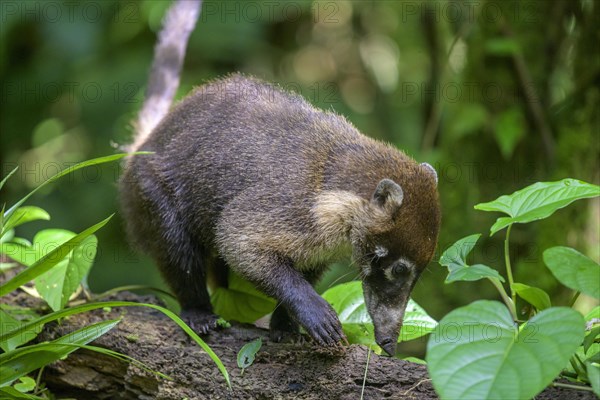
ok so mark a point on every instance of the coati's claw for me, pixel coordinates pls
(280, 336)
(321, 322)
(201, 321)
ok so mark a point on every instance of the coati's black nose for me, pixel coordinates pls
(388, 345)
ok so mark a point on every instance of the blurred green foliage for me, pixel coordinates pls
(495, 94)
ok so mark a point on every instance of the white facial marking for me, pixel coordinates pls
(381, 251)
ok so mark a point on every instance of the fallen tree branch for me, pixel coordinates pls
(280, 370)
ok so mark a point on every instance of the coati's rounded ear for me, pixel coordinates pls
(388, 194)
(431, 170)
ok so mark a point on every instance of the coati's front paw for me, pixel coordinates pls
(282, 328)
(201, 321)
(320, 322)
(279, 336)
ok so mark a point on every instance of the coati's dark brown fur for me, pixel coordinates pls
(250, 177)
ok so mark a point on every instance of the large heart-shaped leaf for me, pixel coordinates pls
(574, 270)
(241, 301)
(477, 352)
(348, 301)
(49, 260)
(57, 285)
(537, 201)
(455, 258)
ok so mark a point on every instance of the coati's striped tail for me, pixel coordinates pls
(168, 59)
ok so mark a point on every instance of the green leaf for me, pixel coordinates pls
(590, 338)
(502, 46)
(9, 323)
(534, 296)
(23, 215)
(458, 270)
(593, 371)
(12, 393)
(595, 357)
(241, 301)
(20, 252)
(477, 352)
(66, 171)
(7, 177)
(348, 302)
(580, 355)
(50, 259)
(509, 128)
(466, 119)
(57, 285)
(574, 270)
(21, 241)
(6, 236)
(19, 362)
(247, 353)
(5, 336)
(415, 360)
(26, 384)
(537, 201)
(594, 314)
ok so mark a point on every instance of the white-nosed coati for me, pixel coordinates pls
(247, 176)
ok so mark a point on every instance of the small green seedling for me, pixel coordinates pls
(247, 354)
(132, 338)
(25, 384)
(223, 323)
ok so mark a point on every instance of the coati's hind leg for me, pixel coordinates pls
(283, 327)
(183, 265)
(196, 310)
(194, 299)
(155, 227)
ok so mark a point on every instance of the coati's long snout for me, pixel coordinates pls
(386, 303)
(392, 244)
(387, 316)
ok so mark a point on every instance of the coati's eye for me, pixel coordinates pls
(400, 268)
